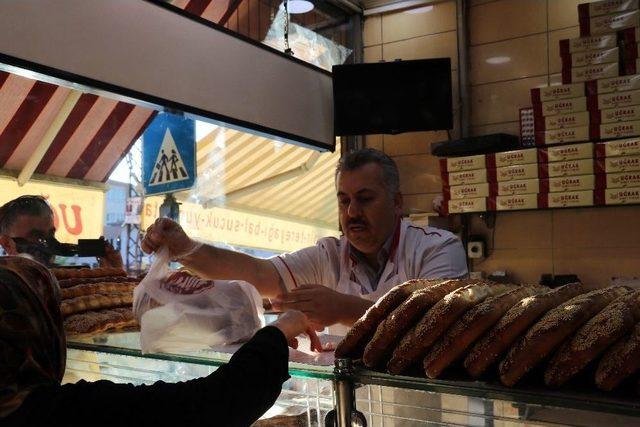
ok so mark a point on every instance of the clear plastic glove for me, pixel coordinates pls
(293, 323)
(166, 232)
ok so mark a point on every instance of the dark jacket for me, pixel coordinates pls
(236, 394)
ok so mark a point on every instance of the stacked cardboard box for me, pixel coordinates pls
(599, 100)
(465, 184)
(589, 58)
(561, 114)
(596, 101)
(617, 166)
(608, 16)
(560, 176)
(570, 176)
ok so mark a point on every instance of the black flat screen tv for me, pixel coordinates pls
(392, 97)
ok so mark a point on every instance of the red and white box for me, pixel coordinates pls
(605, 7)
(617, 130)
(616, 115)
(614, 100)
(513, 203)
(617, 164)
(465, 205)
(471, 191)
(613, 84)
(580, 44)
(510, 173)
(564, 153)
(570, 168)
(568, 183)
(591, 57)
(618, 196)
(561, 121)
(560, 106)
(511, 158)
(569, 199)
(518, 186)
(623, 147)
(618, 180)
(592, 26)
(465, 177)
(590, 72)
(567, 135)
(457, 164)
(554, 93)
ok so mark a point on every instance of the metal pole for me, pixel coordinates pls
(133, 261)
(344, 392)
(463, 67)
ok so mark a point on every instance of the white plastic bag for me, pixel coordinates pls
(178, 312)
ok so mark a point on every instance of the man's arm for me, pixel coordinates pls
(211, 262)
(323, 306)
(216, 263)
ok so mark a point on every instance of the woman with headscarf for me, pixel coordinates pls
(33, 355)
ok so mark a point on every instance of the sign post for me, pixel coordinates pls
(169, 159)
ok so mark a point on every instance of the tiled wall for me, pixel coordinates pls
(522, 37)
(513, 47)
(424, 32)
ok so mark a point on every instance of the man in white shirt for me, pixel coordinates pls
(335, 281)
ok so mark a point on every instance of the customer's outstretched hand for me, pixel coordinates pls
(293, 323)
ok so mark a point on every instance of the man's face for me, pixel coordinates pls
(29, 227)
(368, 211)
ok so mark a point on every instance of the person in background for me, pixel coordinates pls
(335, 281)
(31, 218)
(33, 356)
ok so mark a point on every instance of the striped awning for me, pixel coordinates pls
(255, 174)
(92, 139)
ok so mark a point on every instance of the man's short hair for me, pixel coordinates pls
(23, 205)
(357, 159)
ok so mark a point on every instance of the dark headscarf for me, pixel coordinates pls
(32, 343)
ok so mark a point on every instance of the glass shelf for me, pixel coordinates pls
(588, 400)
(127, 344)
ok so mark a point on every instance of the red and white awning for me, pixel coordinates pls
(95, 134)
(93, 138)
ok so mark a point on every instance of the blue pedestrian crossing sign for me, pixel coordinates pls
(169, 154)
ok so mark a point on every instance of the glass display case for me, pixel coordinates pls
(318, 395)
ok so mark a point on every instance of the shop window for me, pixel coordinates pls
(319, 32)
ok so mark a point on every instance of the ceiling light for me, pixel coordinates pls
(498, 60)
(299, 6)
